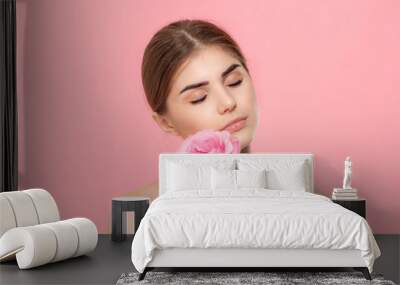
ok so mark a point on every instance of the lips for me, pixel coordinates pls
(235, 125)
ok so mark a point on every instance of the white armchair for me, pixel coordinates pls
(32, 233)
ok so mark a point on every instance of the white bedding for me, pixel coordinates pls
(250, 218)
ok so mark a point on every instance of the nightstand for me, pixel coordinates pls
(138, 205)
(358, 206)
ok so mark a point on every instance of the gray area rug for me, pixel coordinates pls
(225, 278)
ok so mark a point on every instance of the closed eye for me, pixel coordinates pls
(235, 84)
(204, 97)
(198, 100)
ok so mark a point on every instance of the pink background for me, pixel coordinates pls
(326, 75)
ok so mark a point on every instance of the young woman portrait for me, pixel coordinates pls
(195, 78)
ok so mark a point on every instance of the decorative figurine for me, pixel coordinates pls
(347, 174)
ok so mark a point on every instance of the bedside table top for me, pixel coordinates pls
(349, 200)
(130, 198)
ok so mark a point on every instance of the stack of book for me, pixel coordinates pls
(344, 194)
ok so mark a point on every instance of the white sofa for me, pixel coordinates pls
(31, 231)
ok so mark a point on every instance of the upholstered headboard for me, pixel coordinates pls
(202, 159)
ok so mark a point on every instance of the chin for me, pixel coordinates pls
(245, 137)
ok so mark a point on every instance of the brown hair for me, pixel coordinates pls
(170, 47)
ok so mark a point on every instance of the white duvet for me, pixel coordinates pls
(250, 218)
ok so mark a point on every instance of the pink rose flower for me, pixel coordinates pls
(210, 141)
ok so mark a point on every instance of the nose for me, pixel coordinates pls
(226, 103)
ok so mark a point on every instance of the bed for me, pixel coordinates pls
(244, 211)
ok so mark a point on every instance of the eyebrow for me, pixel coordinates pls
(223, 75)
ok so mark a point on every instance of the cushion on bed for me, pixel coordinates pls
(223, 179)
(186, 175)
(251, 178)
(288, 174)
(237, 179)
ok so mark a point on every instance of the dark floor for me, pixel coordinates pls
(111, 259)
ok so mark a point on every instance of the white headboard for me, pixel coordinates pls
(164, 157)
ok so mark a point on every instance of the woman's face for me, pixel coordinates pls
(211, 90)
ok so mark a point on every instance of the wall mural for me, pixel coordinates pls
(198, 86)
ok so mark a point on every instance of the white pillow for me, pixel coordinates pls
(287, 179)
(251, 178)
(236, 179)
(188, 176)
(282, 174)
(181, 177)
(223, 179)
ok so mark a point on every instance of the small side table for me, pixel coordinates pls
(125, 204)
(358, 206)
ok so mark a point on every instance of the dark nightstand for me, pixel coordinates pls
(358, 206)
(138, 205)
